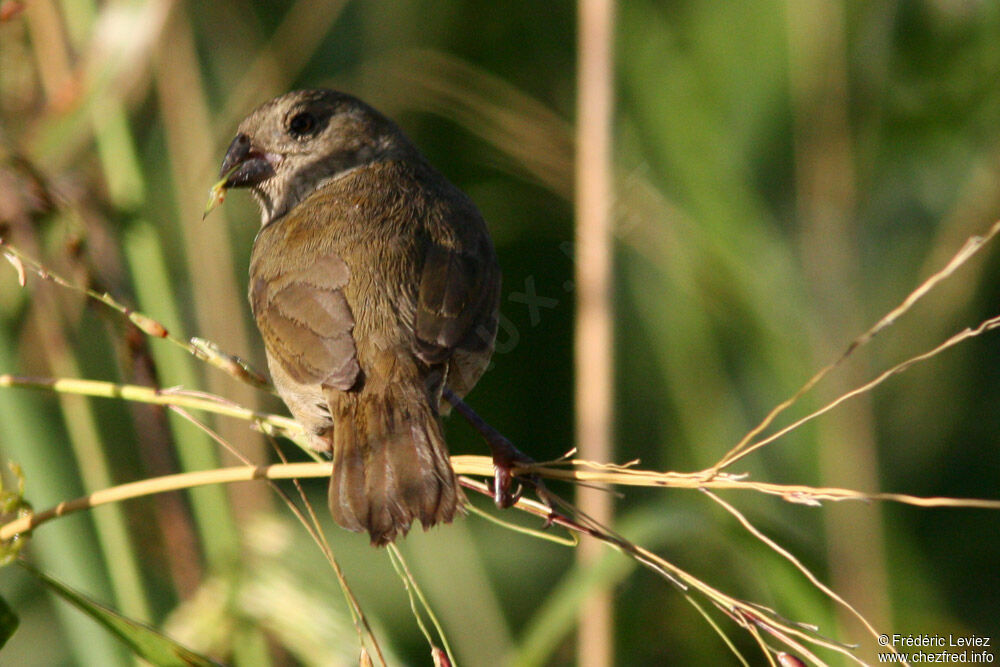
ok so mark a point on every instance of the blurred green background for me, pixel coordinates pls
(786, 172)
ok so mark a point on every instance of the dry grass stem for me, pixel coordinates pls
(784, 553)
(577, 470)
(968, 249)
(752, 617)
(965, 334)
(756, 619)
(416, 595)
(531, 139)
(482, 466)
(202, 349)
(268, 423)
(308, 519)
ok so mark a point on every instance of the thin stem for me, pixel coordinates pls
(204, 350)
(269, 423)
(971, 246)
(417, 595)
(594, 363)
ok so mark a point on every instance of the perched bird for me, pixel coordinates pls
(375, 286)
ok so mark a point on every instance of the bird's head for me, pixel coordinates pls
(288, 147)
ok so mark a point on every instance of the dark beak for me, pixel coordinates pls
(244, 166)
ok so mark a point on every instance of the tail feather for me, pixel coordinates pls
(390, 463)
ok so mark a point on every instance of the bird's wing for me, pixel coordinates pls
(456, 301)
(306, 323)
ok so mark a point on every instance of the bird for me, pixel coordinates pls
(376, 289)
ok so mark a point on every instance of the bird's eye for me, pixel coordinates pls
(302, 124)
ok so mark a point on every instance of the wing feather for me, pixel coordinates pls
(308, 324)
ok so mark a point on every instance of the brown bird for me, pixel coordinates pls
(375, 286)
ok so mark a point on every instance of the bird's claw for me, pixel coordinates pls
(503, 478)
(505, 458)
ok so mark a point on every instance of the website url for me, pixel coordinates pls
(967, 657)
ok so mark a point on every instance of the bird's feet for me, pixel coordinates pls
(507, 488)
(507, 457)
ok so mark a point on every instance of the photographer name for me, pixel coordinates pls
(941, 640)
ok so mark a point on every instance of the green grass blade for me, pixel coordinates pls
(8, 622)
(146, 642)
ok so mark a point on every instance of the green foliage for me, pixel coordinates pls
(787, 173)
(13, 504)
(143, 640)
(8, 622)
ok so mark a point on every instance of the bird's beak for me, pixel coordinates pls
(244, 166)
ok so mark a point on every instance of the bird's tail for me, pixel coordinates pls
(390, 463)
